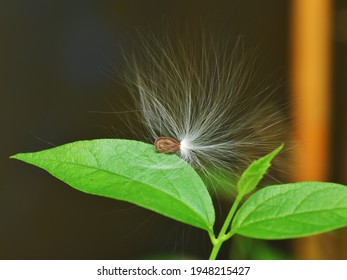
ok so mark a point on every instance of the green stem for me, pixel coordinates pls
(222, 236)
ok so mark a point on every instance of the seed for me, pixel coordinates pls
(166, 145)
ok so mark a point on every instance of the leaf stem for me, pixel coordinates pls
(223, 236)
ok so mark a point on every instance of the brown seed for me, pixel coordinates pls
(166, 145)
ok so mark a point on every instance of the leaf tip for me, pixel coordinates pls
(278, 149)
(269, 157)
(20, 156)
(16, 156)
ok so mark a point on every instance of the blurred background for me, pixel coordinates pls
(58, 68)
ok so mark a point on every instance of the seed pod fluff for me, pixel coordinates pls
(202, 94)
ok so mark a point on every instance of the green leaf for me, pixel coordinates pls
(131, 171)
(255, 172)
(292, 210)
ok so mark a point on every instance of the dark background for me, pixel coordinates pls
(55, 58)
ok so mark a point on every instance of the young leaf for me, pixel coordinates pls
(292, 210)
(255, 172)
(131, 171)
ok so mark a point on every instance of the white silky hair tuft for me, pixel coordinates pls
(203, 94)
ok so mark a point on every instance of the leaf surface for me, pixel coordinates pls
(130, 171)
(292, 210)
(255, 172)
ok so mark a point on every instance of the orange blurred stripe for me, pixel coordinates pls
(310, 76)
(311, 85)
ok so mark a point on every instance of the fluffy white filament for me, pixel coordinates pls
(202, 94)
